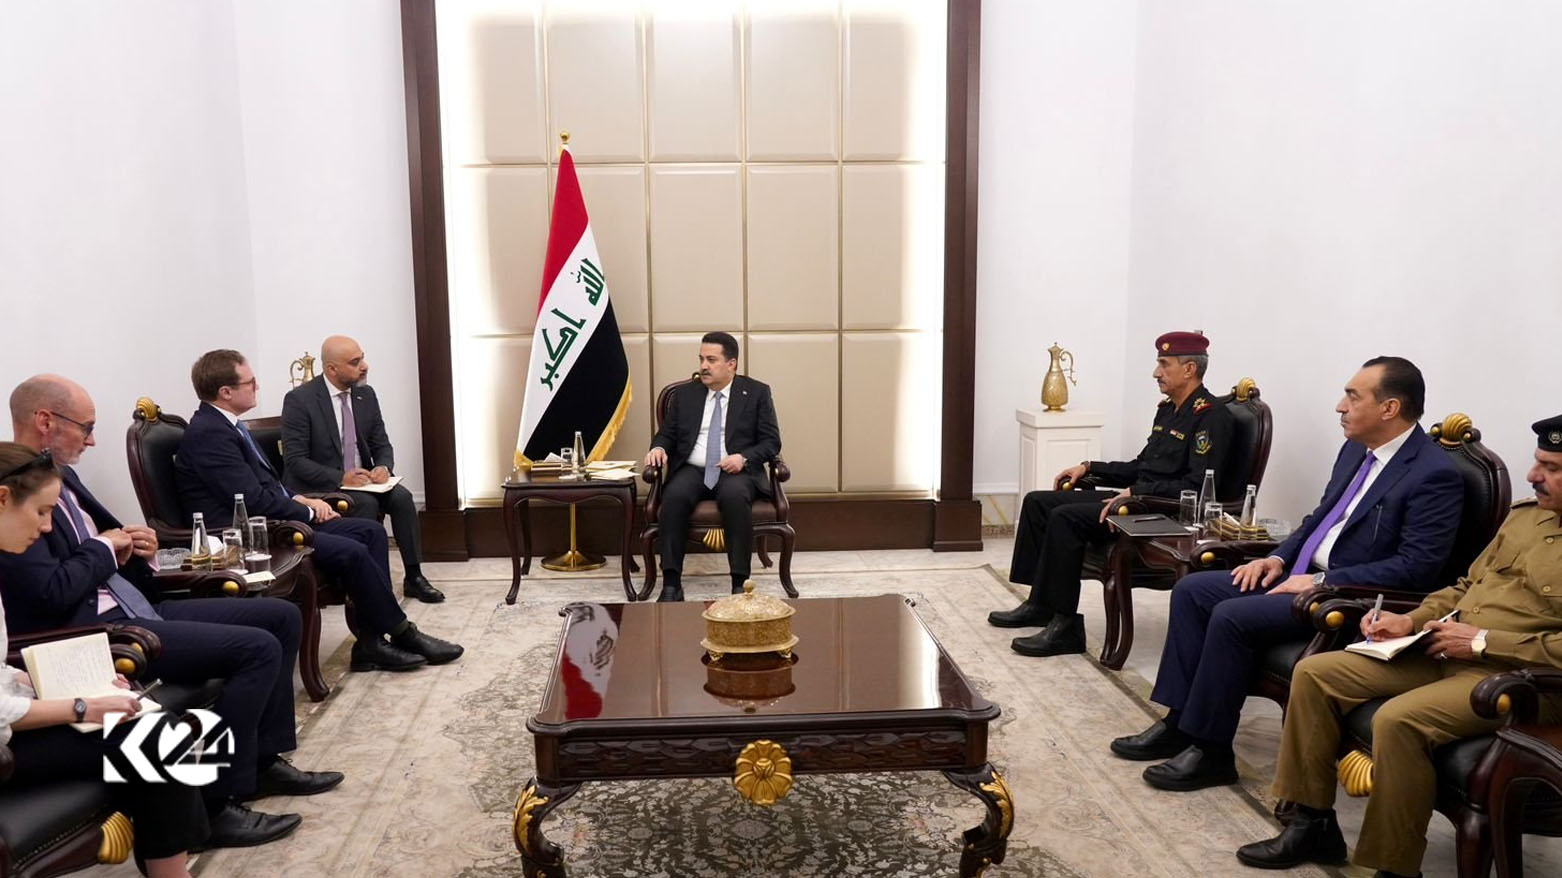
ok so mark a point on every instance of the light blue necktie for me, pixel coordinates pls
(713, 445)
(250, 441)
(129, 598)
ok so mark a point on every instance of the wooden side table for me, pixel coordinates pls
(1525, 755)
(1051, 442)
(522, 488)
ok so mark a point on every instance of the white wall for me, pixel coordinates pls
(124, 234)
(1318, 183)
(1057, 104)
(190, 175)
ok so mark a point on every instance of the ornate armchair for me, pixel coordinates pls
(770, 513)
(1120, 566)
(151, 442)
(62, 827)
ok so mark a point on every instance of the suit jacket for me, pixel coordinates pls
(750, 429)
(214, 463)
(312, 442)
(55, 582)
(1401, 532)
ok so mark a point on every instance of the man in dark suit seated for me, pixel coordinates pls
(89, 568)
(218, 459)
(1192, 433)
(1509, 618)
(317, 418)
(714, 442)
(1388, 518)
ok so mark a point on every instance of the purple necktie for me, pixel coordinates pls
(130, 599)
(1315, 539)
(349, 437)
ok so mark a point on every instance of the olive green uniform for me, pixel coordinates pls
(1514, 589)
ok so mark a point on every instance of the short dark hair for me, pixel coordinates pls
(214, 371)
(24, 470)
(1402, 381)
(729, 345)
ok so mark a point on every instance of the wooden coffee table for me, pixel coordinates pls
(871, 690)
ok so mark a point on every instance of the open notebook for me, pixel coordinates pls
(1383, 650)
(77, 667)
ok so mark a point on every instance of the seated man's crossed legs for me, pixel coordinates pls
(355, 552)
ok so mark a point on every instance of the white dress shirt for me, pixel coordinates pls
(697, 456)
(16, 697)
(1384, 453)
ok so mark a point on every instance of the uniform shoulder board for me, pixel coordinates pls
(1164, 402)
(1200, 404)
(1527, 501)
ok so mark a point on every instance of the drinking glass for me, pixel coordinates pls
(259, 557)
(1188, 508)
(232, 548)
(1212, 513)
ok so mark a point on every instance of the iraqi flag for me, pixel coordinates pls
(579, 377)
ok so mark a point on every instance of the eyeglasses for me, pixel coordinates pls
(44, 460)
(86, 429)
(252, 383)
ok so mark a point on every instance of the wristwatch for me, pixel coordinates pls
(1478, 643)
(1319, 578)
(81, 710)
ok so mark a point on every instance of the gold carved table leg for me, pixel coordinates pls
(987, 844)
(540, 858)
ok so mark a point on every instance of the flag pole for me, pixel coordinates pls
(574, 560)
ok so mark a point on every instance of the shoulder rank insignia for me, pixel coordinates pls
(1200, 404)
(1527, 501)
(1201, 443)
(1178, 434)
(1157, 428)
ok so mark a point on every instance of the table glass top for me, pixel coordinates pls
(644, 661)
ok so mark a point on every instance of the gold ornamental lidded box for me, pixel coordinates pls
(748, 623)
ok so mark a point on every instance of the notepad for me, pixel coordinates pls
(76, 667)
(1383, 650)
(372, 488)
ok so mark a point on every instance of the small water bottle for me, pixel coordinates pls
(1248, 503)
(200, 553)
(580, 454)
(1207, 493)
(241, 518)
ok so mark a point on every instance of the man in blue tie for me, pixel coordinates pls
(1387, 518)
(218, 458)
(714, 442)
(90, 568)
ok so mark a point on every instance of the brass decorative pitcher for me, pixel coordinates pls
(302, 370)
(1054, 389)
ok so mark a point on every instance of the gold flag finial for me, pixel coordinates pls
(564, 137)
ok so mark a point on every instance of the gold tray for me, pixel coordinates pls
(716, 650)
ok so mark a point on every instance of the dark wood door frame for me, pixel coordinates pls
(952, 521)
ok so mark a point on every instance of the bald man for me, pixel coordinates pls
(333, 438)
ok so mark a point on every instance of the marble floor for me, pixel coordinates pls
(1256, 742)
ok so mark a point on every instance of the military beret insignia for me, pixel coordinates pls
(1201, 443)
(1555, 438)
(1200, 405)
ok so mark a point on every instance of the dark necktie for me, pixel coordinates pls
(129, 598)
(250, 441)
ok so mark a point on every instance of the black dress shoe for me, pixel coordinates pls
(438, 652)
(416, 586)
(1193, 769)
(1159, 741)
(1025, 615)
(282, 778)
(1064, 635)
(236, 826)
(374, 654)
(1305, 839)
(670, 593)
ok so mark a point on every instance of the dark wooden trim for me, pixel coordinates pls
(959, 523)
(952, 522)
(430, 278)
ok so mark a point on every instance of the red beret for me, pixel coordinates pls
(1181, 344)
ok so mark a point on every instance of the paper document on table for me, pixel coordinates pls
(1383, 650)
(76, 667)
(372, 488)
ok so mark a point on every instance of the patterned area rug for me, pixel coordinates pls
(435, 758)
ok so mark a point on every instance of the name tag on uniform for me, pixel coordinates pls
(1177, 434)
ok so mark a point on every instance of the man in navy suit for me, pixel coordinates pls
(218, 459)
(714, 442)
(89, 568)
(1387, 518)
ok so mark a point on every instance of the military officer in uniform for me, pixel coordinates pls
(1191, 433)
(1510, 616)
